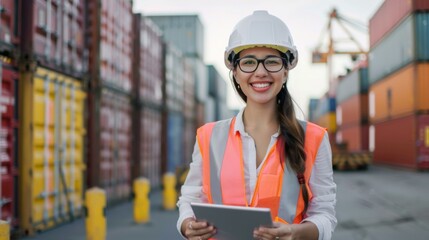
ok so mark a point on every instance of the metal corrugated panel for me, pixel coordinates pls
(175, 125)
(407, 43)
(409, 150)
(353, 83)
(189, 104)
(10, 22)
(201, 79)
(53, 32)
(51, 147)
(174, 79)
(110, 43)
(402, 93)
(8, 138)
(189, 140)
(115, 146)
(150, 146)
(324, 105)
(150, 61)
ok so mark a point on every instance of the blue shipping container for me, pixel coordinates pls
(175, 146)
(354, 83)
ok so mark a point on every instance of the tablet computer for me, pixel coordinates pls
(232, 222)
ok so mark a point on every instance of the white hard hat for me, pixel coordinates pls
(261, 30)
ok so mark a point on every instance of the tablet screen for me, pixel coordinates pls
(232, 222)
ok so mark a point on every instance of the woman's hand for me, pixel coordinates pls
(305, 230)
(197, 230)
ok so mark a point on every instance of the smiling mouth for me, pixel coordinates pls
(260, 85)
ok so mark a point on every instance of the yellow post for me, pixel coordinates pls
(169, 192)
(141, 189)
(4, 230)
(95, 221)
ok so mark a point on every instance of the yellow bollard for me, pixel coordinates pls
(141, 189)
(169, 192)
(4, 230)
(95, 217)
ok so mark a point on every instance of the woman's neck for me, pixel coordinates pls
(260, 117)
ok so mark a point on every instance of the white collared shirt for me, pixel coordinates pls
(321, 208)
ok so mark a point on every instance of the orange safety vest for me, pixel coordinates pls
(277, 186)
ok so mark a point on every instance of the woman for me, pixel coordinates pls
(264, 157)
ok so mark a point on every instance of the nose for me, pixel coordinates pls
(260, 70)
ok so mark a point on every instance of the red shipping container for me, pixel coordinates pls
(9, 25)
(8, 140)
(148, 59)
(356, 137)
(110, 138)
(353, 111)
(402, 142)
(110, 43)
(53, 34)
(390, 14)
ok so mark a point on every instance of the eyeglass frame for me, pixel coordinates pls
(258, 61)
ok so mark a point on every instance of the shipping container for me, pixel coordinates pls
(402, 142)
(389, 15)
(150, 145)
(51, 148)
(9, 23)
(174, 140)
(400, 94)
(189, 92)
(328, 121)
(312, 105)
(110, 42)
(189, 139)
(356, 137)
(353, 111)
(324, 105)
(200, 113)
(407, 43)
(174, 79)
(8, 141)
(109, 145)
(354, 83)
(53, 34)
(148, 61)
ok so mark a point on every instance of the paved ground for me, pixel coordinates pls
(377, 204)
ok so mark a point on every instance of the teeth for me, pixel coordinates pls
(260, 85)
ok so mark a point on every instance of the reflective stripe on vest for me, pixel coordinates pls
(223, 171)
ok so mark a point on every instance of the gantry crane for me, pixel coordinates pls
(325, 56)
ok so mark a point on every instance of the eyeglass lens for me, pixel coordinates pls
(250, 64)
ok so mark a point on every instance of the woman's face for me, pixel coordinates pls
(260, 86)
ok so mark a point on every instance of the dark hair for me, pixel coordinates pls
(290, 129)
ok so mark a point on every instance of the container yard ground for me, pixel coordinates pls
(377, 204)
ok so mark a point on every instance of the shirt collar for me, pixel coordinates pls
(239, 125)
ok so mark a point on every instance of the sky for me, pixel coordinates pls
(306, 19)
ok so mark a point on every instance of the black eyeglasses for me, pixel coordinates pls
(271, 63)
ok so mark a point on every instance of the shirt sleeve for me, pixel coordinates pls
(191, 190)
(321, 208)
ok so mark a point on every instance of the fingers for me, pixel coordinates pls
(199, 230)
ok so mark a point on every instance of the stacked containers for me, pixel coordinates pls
(352, 110)
(324, 115)
(398, 70)
(189, 108)
(148, 94)
(9, 39)
(217, 93)
(109, 43)
(51, 102)
(174, 118)
(186, 32)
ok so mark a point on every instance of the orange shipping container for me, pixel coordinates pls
(353, 111)
(402, 142)
(400, 94)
